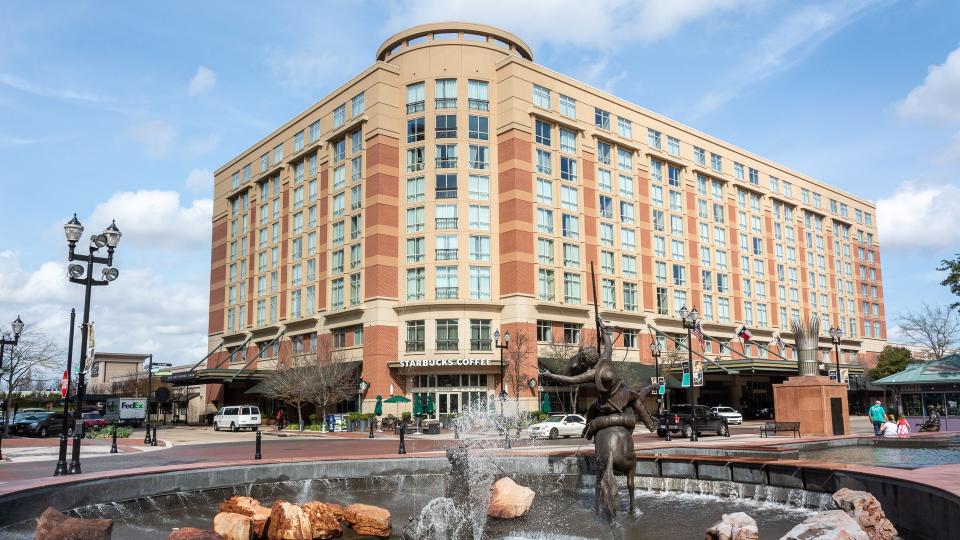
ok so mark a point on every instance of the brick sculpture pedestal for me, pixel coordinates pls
(809, 400)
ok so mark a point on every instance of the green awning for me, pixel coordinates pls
(943, 371)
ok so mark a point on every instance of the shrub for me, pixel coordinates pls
(123, 432)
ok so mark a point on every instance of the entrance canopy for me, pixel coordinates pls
(216, 376)
(943, 371)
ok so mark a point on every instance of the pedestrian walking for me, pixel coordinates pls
(281, 421)
(877, 417)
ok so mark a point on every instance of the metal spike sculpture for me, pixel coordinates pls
(806, 336)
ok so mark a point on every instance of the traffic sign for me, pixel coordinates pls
(63, 384)
(686, 380)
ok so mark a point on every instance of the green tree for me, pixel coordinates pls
(952, 268)
(893, 359)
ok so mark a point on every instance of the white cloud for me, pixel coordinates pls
(916, 217)
(200, 180)
(139, 312)
(785, 45)
(156, 219)
(937, 100)
(599, 24)
(156, 136)
(202, 82)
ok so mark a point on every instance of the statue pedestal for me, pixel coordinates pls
(819, 403)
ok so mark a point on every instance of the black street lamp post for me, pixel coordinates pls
(690, 319)
(147, 439)
(503, 391)
(109, 238)
(62, 461)
(655, 352)
(17, 327)
(835, 335)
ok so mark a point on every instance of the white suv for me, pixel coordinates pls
(732, 416)
(234, 418)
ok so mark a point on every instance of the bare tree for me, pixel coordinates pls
(289, 384)
(934, 328)
(34, 356)
(332, 380)
(519, 349)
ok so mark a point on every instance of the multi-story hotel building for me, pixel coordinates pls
(455, 188)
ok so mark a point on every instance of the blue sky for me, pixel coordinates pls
(122, 111)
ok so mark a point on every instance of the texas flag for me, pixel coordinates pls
(744, 333)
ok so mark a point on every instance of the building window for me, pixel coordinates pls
(339, 115)
(571, 288)
(568, 106)
(541, 96)
(478, 128)
(479, 217)
(624, 128)
(544, 331)
(446, 94)
(414, 220)
(446, 156)
(446, 249)
(480, 283)
(415, 129)
(446, 283)
(480, 157)
(415, 159)
(653, 138)
(477, 95)
(416, 283)
(446, 216)
(416, 332)
(480, 335)
(601, 119)
(357, 105)
(673, 146)
(415, 189)
(546, 285)
(446, 126)
(414, 98)
(446, 187)
(571, 333)
(479, 187)
(447, 335)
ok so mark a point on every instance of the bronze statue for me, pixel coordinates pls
(610, 419)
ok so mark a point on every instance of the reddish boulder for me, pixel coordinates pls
(232, 526)
(865, 508)
(190, 533)
(735, 526)
(323, 521)
(367, 520)
(509, 499)
(248, 506)
(336, 510)
(288, 522)
(55, 525)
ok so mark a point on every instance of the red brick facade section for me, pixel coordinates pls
(515, 188)
(381, 202)
(380, 346)
(218, 270)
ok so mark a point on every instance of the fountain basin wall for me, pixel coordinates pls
(918, 510)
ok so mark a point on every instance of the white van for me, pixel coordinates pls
(234, 418)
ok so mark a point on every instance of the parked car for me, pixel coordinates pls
(680, 418)
(732, 416)
(41, 424)
(92, 419)
(559, 425)
(238, 417)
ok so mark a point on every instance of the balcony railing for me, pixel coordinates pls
(447, 163)
(478, 104)
(414, 167)
(446, 193)
(447, 293)
(355, 264)
(415, 346)
(416, 257)
(479, 165)
(447, 345)
(415, 107)
(446, 222)
(446, 254)
(446, 103)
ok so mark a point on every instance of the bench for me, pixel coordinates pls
(774, 427)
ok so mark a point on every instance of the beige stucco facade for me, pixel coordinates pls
(356, 222)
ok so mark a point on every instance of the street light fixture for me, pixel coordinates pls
(17, 327)
(690, 319)
(503, 391)
(836, 334)
(109, 238)
(655, 351)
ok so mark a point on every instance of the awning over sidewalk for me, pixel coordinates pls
(216, 376)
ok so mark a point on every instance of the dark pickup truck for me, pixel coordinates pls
(680, 419)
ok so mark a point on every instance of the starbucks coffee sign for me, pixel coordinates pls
(444, 362)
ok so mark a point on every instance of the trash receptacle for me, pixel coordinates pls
(433, 428)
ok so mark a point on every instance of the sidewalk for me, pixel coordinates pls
(22, 450)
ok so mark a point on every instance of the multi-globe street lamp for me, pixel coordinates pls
(836, 334)
(109, 239)
(503, 391)
(655, 351)
(690, 319)
(17, 327)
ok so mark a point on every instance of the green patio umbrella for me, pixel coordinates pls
(545, 404)
(397, 399)
(417, 407)
(431, 407)
(378, 408)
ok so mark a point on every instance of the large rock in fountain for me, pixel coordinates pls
(509, 500)
(288, 522)
(736, 526)
(829, 525)
(192, 533)
(232, 526)
(248, 506)
(55, 525)
(367, 520)
(324, 523)
(865, 508)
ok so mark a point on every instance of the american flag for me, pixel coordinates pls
(698, 333)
